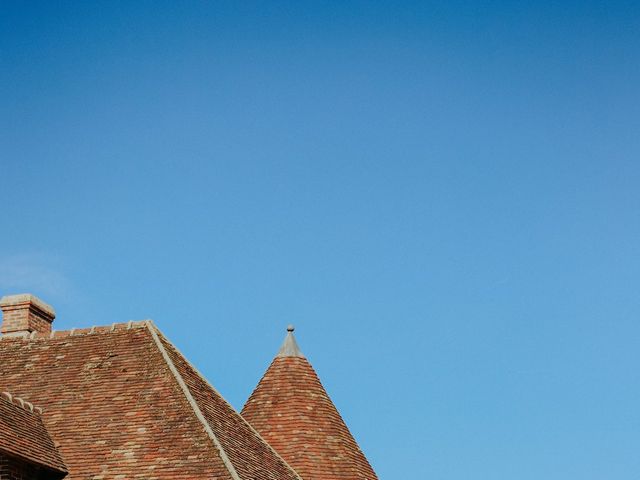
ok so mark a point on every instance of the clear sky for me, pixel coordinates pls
(444, 198)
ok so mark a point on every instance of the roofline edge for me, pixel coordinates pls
(183, 386)
(31, 461)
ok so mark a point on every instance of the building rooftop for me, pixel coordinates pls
(121, 401)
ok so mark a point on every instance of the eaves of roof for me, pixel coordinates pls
(23, 435)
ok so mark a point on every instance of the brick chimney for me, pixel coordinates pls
(25, 313)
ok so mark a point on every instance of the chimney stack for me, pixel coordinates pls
(25, 313)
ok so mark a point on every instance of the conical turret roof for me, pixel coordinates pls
(292, 411)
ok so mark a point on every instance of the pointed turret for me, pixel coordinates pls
(292, 411)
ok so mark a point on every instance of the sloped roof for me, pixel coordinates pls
(23, 435)
(122, 402)
(292, 411)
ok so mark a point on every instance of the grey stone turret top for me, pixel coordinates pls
(290, 347)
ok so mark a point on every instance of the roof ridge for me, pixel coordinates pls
(19, 402)
(187, 393)
(204, 379)
(74, 332)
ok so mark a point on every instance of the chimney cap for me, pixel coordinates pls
(24, 299)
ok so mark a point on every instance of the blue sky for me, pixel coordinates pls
(442, 197)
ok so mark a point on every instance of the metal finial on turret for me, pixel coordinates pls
(290, 346)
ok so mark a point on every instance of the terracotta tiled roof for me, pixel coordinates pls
(122, 402)
(23, 435)
(292, 411)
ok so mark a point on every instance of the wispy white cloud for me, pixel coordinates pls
(33, 273)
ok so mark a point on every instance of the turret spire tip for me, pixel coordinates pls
(290, 347)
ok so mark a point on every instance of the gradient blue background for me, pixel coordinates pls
(443, 197)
